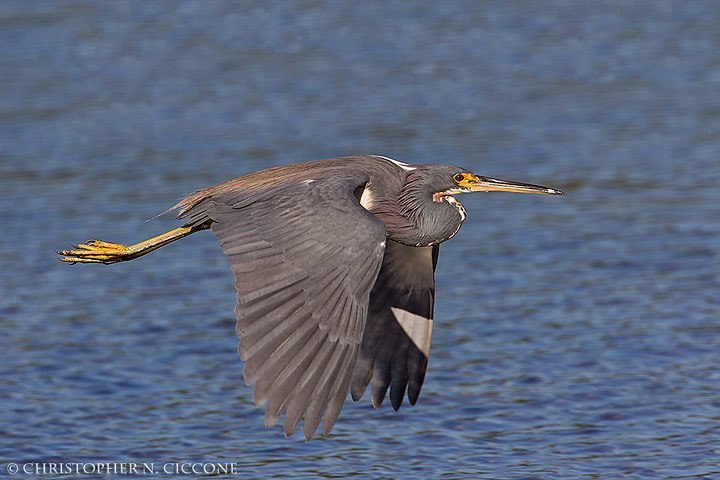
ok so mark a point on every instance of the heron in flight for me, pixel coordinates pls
(334, 264)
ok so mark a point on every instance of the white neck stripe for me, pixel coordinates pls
(404, 166)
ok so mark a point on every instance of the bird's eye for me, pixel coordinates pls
(459, 177)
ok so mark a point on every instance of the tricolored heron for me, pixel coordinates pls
(334, 265)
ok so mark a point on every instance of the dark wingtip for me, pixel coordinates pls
(413, 395)
(378, 392)
(397, 393)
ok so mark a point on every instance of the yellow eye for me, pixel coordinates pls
(459, 177)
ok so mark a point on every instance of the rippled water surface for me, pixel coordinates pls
(576, 337)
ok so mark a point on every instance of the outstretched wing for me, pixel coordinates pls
(396, 341)
(305, 256)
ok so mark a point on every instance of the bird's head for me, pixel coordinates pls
(448, 180)
(427, 200)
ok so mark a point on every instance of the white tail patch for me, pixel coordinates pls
(405, 166)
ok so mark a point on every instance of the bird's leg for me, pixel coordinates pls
(99, 251)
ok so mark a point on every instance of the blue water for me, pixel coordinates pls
(576, 337)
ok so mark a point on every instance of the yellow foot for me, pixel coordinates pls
(98, 251)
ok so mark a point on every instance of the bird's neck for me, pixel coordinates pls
(418, 217)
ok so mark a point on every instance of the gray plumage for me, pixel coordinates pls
(306, 255)
(334, 267)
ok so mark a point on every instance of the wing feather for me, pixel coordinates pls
(284, 373)
(396, 339)
(305, 256)
(339, 389)
(321, 392)
(301, 395)
(399, 373)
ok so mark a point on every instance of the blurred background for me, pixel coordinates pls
(576, 337)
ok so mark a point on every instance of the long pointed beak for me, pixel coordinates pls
(486, 184)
